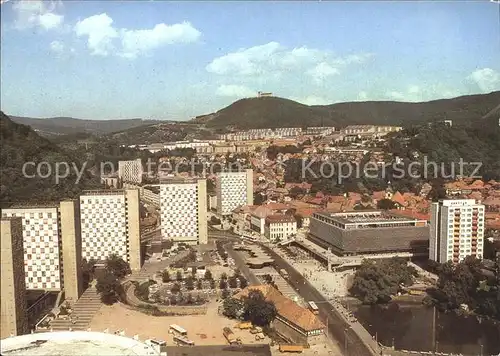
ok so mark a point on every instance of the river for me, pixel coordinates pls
(413, 326)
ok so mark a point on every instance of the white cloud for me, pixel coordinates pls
(312, 100)
(273, 59)
(100, 33)
(103, 38)
(49, 21)
(37, 13)
(322, 71)
(486, 79)
(135, 42)
(57, 47)
(235, 91)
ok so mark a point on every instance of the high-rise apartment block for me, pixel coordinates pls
(14, 319)
(110, 225)
(130, 171)
(52, 247)
(233, 189)
(183, 210)
(457, 230)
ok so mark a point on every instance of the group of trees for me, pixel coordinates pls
(109, 284)
(190, 282)
(466, 283)
(377, 281)
(254, 308)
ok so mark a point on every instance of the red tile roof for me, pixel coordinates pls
(286, 308)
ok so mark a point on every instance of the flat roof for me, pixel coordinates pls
(366, 216)
(223, 350)
(68, 342)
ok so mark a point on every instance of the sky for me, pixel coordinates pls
(177, 60)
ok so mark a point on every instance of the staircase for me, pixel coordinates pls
(82, 312)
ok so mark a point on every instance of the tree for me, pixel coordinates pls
(212, 284)
(214, 221)
(258, 310)
(176, 288)
(233, 282)
(233, 308)
(193, 271)
(376, 281)
(208, 275)
(237, 272)
(165, 276)
(88, 271)
(189, 299)
(199, 284)
(189, 283)
(243, 282)
(295, 192)
(225, 293)
(117, 266)
(222, 284)
(191, 256)
(386, 204)
(223, 275)
(109, 288)
(179, 276)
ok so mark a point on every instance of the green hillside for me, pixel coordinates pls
(20, 144)
(271, 112)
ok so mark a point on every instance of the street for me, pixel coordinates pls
(338, 329)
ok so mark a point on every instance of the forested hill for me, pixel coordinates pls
(19, 145)
(271, 112)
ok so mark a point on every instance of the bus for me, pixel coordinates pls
(284, 273)
(177, 330)
(313, 307)
(183, 341)
(156, 343)
(291, 348)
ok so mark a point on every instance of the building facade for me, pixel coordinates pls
(280, 227)
(365, 232)
(52, 247)
(233, 190)
(457, 230)
(14, 320)
(130, 171)
(110, 225)
(183, 210)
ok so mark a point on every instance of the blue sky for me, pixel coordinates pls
(175, 60)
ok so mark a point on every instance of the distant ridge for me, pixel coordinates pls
(67, 125)
(270, 112)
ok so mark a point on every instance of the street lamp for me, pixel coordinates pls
(345, 341)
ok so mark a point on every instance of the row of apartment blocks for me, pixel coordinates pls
(260, 134)
(57, 237)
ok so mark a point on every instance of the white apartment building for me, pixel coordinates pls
(457, 230)
(130, 171)
(233, 190)
(110, 225)
(280, 227)
(183, 210)
(51, 246)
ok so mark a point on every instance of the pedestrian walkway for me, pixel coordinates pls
(82, 312)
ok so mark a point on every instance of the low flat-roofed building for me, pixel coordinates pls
(361, 232)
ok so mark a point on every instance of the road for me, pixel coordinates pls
(337, 327)
(242, 266)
